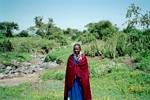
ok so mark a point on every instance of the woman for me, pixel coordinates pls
(77, 85)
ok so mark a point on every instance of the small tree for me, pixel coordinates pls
(23, 33)
(101, 29)
(137, 18)
(8, 27)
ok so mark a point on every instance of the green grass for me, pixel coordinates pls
(31, 44)
(10, 56)
(13, 93)
(53, 74)
(52, 90)
(122, 85)
(62, 53)
(109, 80)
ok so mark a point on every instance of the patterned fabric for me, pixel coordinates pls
(75, 93)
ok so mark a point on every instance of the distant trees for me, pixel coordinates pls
(7, 28)
(74, 33)
(23, 33)
(46, 29)
(101, 29)
(49, 30)
(40, 26)
(137, 18)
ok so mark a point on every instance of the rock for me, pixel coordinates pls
(1, 76)
(15, 68)
(8, 68)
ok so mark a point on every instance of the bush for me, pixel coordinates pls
(86, 38)
(6, 46)
(33, 44)
(59, 38)
(52, 57)
(116, 45)
(2, 35)
(138, 41)
(23, 33)
(92, 50)
(99, 68)
(144, 63)
(14, 56)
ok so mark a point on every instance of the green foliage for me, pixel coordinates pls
(10, 56)
(55, 74)
(50, 57)
(73, 33)
(122, 85)
(2, 35)
(108, 80)
(32, 44)
(115, 45)
(92, 50)
(62, 53)
(138, 41)
(86, 38)
(99, 68)
(6, 46)
(49, 30)
(13, 93)
(101, 29)
(144, 63)
(137, 18)
(59, 38)
(23, 33)
(8, 27)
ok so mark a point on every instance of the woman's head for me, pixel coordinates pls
(76, 49)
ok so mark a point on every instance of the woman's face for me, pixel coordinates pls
(77, 50)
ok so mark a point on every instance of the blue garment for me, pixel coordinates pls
(75, 93)
(75, 59)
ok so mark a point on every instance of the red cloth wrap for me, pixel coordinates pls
(81, 70)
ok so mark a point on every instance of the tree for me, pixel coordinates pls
(101, 29)
(23, 33)
(74, 33)
(40, 26)
(7, 28)
(45, 29)
(137, 18)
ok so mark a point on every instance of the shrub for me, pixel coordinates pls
(33, 44)
(92, 50)
(6, 46)
(52, 57)
(144, 63)
(2, 35)
(59, 38)
(23, 33)
(10, 56)
(99, 68)
(116, 45)
(87, 38)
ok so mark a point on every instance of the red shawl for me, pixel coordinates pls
(81, 70)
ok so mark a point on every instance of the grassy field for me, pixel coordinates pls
(109, 80)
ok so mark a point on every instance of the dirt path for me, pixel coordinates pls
(32, 78)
